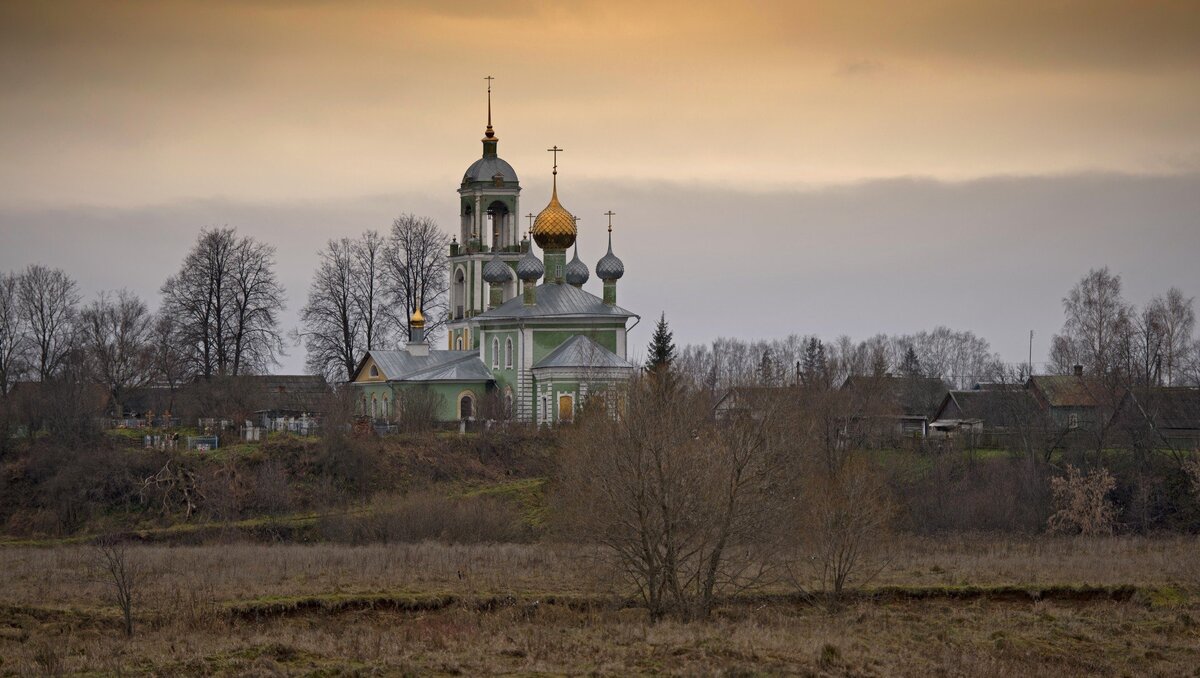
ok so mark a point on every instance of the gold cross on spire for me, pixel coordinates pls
(530, 217)
(556, 150)
(610, 215)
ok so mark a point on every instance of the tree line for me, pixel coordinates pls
(219, 315)
(1102, 332)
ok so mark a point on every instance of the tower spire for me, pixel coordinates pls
(489, 132)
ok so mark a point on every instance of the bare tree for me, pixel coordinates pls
(370, 267)
(1097, 318)
(169, 352)
(225, 301)
(12, 333)
(1142, 349)
(48, 301)
(255, 302)
(416, 272)
(116, 335)
(345, 315)
(120, 571)
(331, 320)
(960, 358)
(1178, 320)
(843, 524)
(685, 507)
(197, 298)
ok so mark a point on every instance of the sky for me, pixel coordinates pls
(809, 167)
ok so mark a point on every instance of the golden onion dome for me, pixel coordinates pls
(554, 228)
(417, 319)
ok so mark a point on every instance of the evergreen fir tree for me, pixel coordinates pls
(911, 365)
(767, 374)
(662, 347)
(815, 368)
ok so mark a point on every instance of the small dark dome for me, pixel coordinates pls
(530, 267)
(610, 267)
(577, 271)
(497, 272)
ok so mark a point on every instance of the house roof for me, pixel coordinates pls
(1169, 407)
(756, 397)
(286, 392)
(436, 366)
(911, 396)
(994, 407)
(582, 351)
(555, 300)
(1066, 390)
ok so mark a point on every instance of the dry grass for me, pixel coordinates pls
(52, 621)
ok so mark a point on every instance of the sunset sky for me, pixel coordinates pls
(810, 167)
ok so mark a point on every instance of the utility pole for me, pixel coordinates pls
(1031, 353)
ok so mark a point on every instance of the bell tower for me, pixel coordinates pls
(489, 214)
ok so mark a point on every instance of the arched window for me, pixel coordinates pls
(459, 293)
(495, 353)
(458, 344)
(502, 224)
(374, 371)
(466, 407)
(508, 353)
(374, 407)
(387, 409)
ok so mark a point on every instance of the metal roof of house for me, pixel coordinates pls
(557, 300)
(582, 351)
(437, 366)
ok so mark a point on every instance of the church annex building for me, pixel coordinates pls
(517, 348)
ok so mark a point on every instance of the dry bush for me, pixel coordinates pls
(416, 409)
(429, 516)
(54, 488)
(1192, 469)
(685, 507)
(844, 529)
(1081, 502)
(950, 490)
(123, 575)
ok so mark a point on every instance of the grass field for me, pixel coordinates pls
(956, 606)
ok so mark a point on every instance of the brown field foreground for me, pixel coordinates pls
(974, 605)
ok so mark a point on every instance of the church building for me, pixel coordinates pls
(525, 340)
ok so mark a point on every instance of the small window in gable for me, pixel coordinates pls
(374, 371)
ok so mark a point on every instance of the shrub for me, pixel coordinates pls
(1081, 502)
